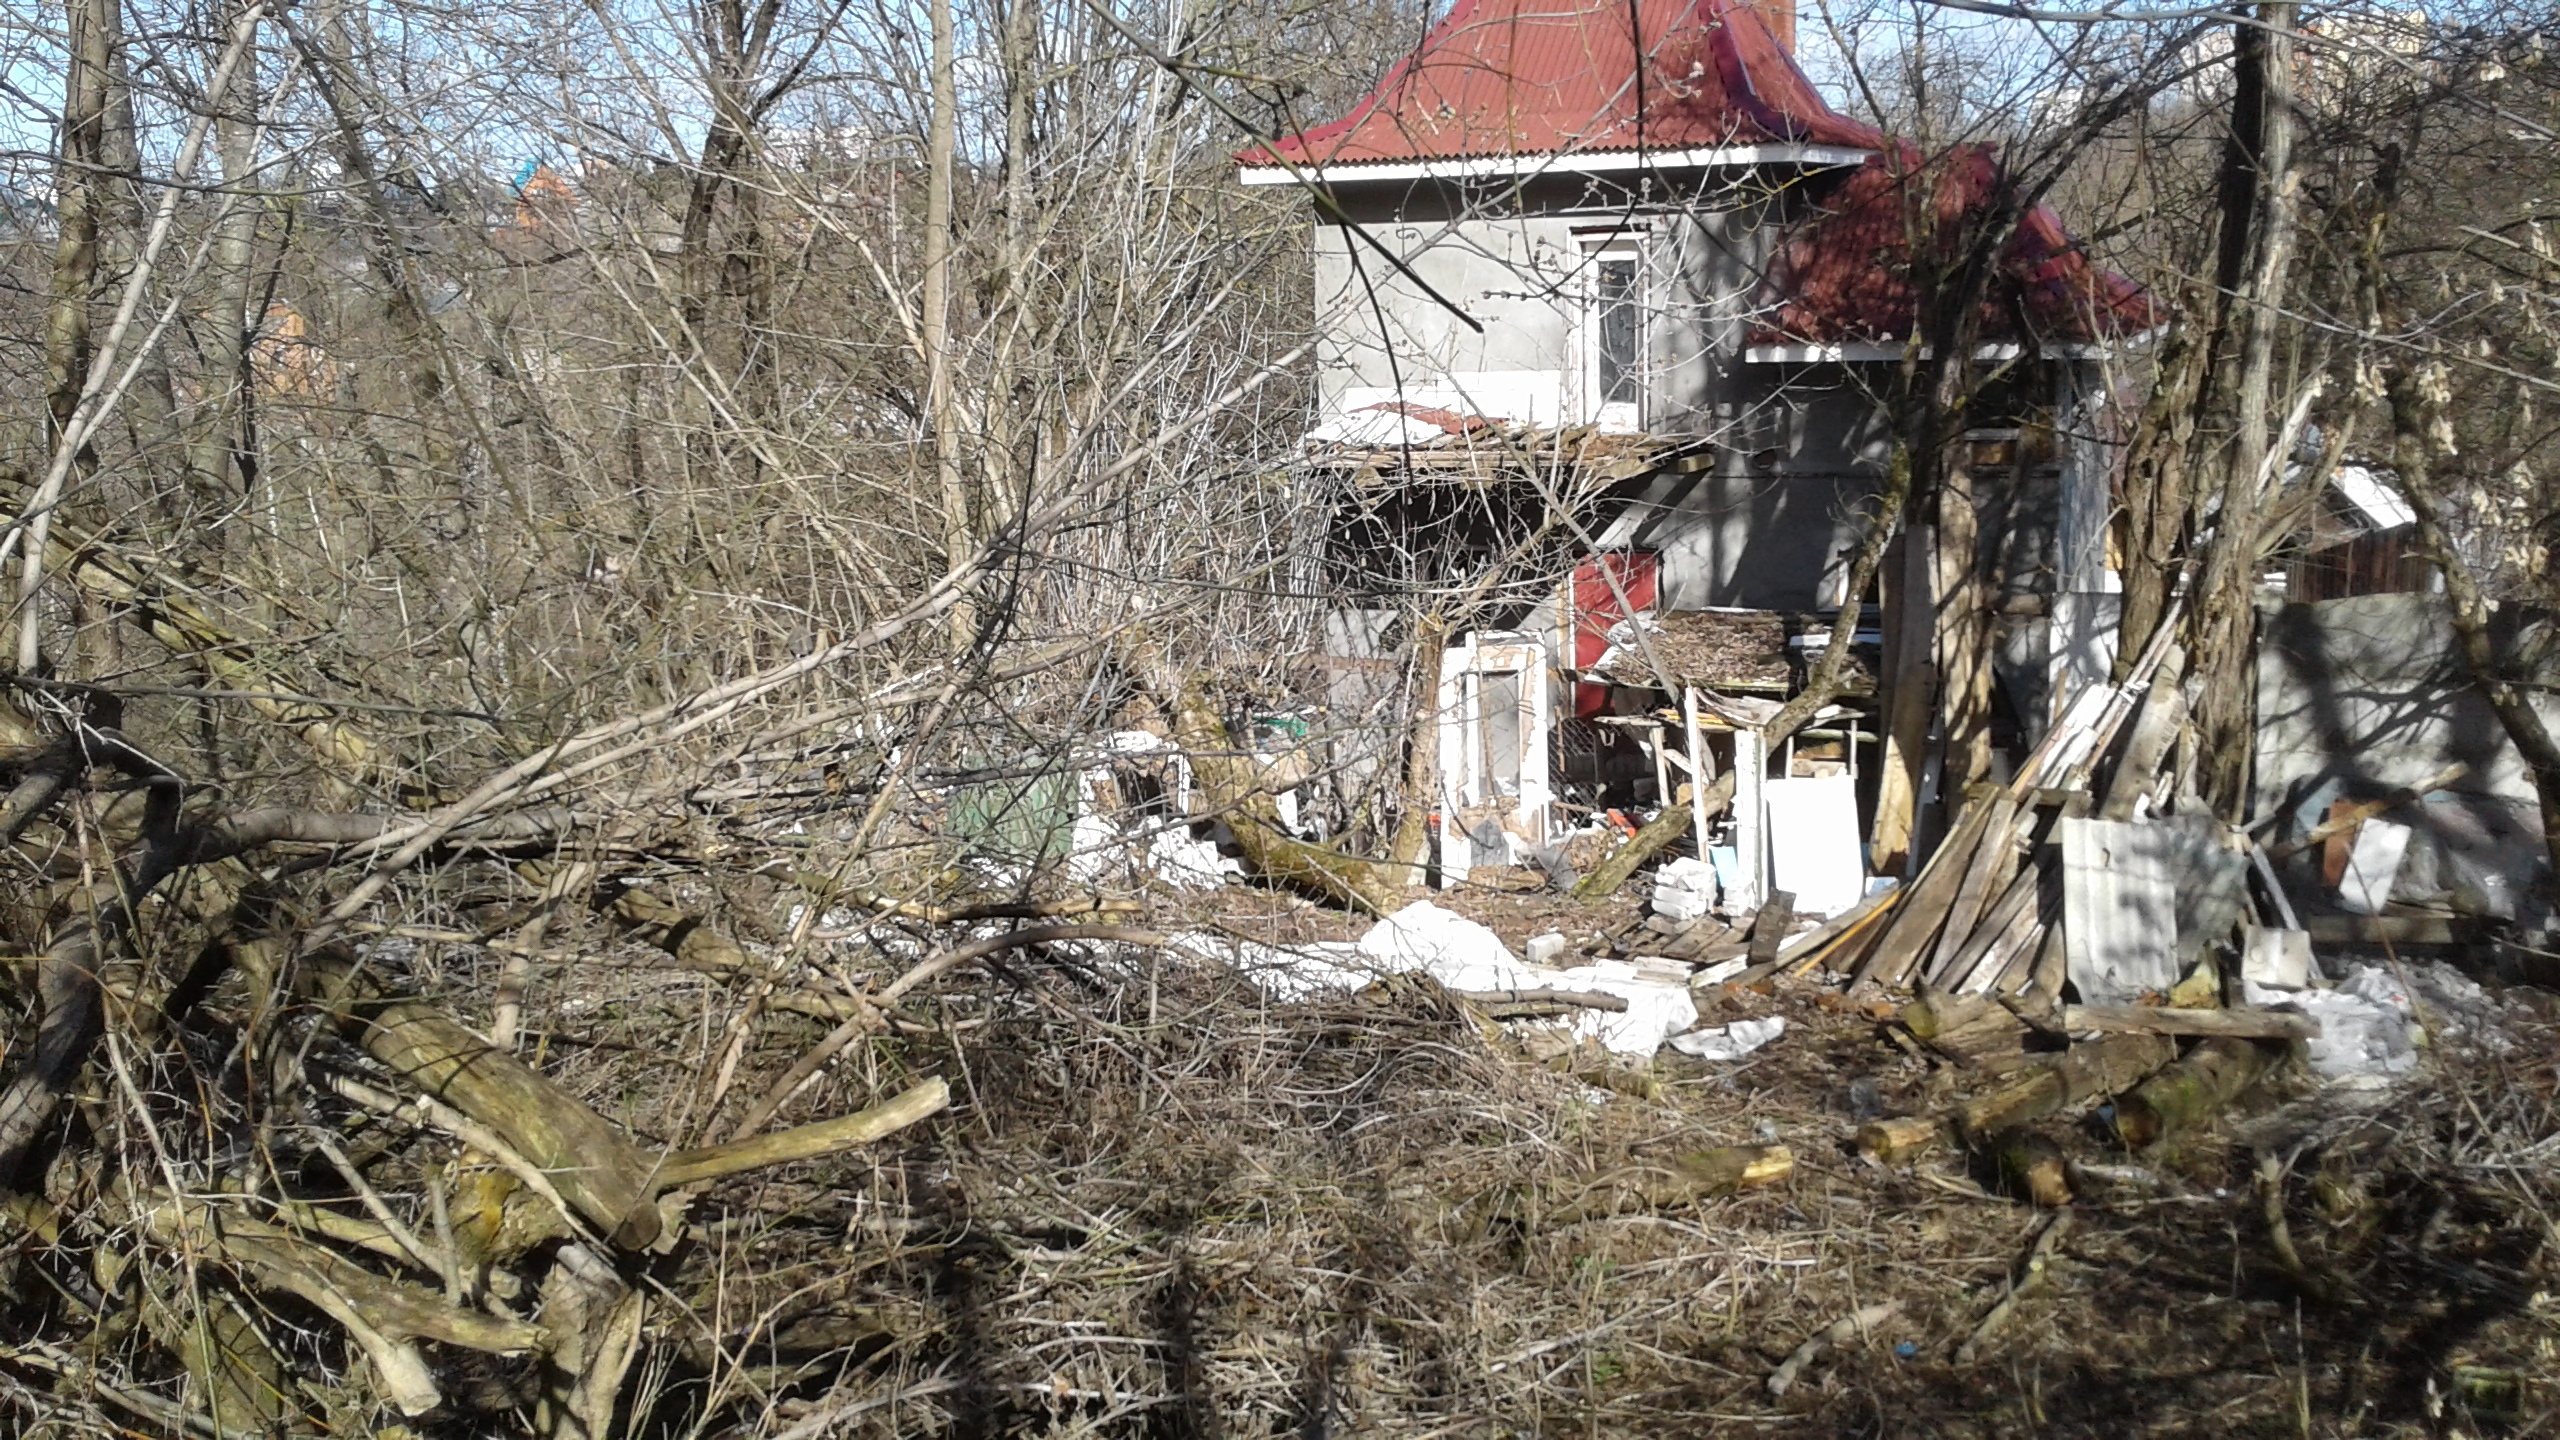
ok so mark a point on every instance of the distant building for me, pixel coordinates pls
(1628, 248)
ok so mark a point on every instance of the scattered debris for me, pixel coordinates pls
(2367, 1025)
(1730, 1042)
(1684, 890)
(2276, 959)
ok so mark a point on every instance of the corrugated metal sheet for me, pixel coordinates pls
(1845, 274)
(1544, 77)
(2139, 898)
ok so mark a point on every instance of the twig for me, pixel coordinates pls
(1838, 1332)
(835, 1040)
(2015, 1289)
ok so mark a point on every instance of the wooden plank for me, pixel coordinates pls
(1918, 918)
(2391, 929)
(1750, 845)
(1797, 947)
(1699, 774)
(1984, 877)
(2155, 728)
(1909, 602)
(1777, 916)
(2007, 926)
(2153, 1020)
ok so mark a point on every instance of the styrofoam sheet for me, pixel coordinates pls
(2372, 866)
(1813, 842)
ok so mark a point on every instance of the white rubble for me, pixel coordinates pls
(2372, 1025)
(1684, 890)
(1178, 859)
(1719, 972)
(1543, 948)
(1463, 955)
(2457, 1010)
(1422, 938)
(1730, 1042)
(2366, 1025)
(1444, 944)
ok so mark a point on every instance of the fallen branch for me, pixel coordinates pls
(591, 1161)
(2015, 1288)
(1564, 999)
(826, 891)
(835, 1040)
(1838, 1332)
(1675, 821)
(806, 1142)
(2162, 1020)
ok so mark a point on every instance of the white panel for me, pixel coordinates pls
(1813, 843)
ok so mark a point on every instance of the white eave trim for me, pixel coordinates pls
(1529, 166)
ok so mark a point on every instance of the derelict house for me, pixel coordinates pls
(1626, 252)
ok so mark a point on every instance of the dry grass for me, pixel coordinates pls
(1167, 1207)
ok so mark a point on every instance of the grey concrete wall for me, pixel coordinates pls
(1505, 273)
(2362, 696)
(1516, 260)
(1796, 445)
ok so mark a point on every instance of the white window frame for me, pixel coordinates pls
(1622, 415)
(1467, 794)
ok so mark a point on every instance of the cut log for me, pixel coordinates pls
(1936, 1012)
(2190, 1093)
(2104, 1067)
(2031, 1168)
(2156, 1020)
(1903, 1138)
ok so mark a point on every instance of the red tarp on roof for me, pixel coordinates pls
(1544, 77)
(1844, 274)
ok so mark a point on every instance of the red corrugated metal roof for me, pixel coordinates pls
(1844, 275)
(1545, 77)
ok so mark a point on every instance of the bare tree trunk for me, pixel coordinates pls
(79, 190)
(1005, 466)
(2262, 160)
(941, 130)
(222, 421)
